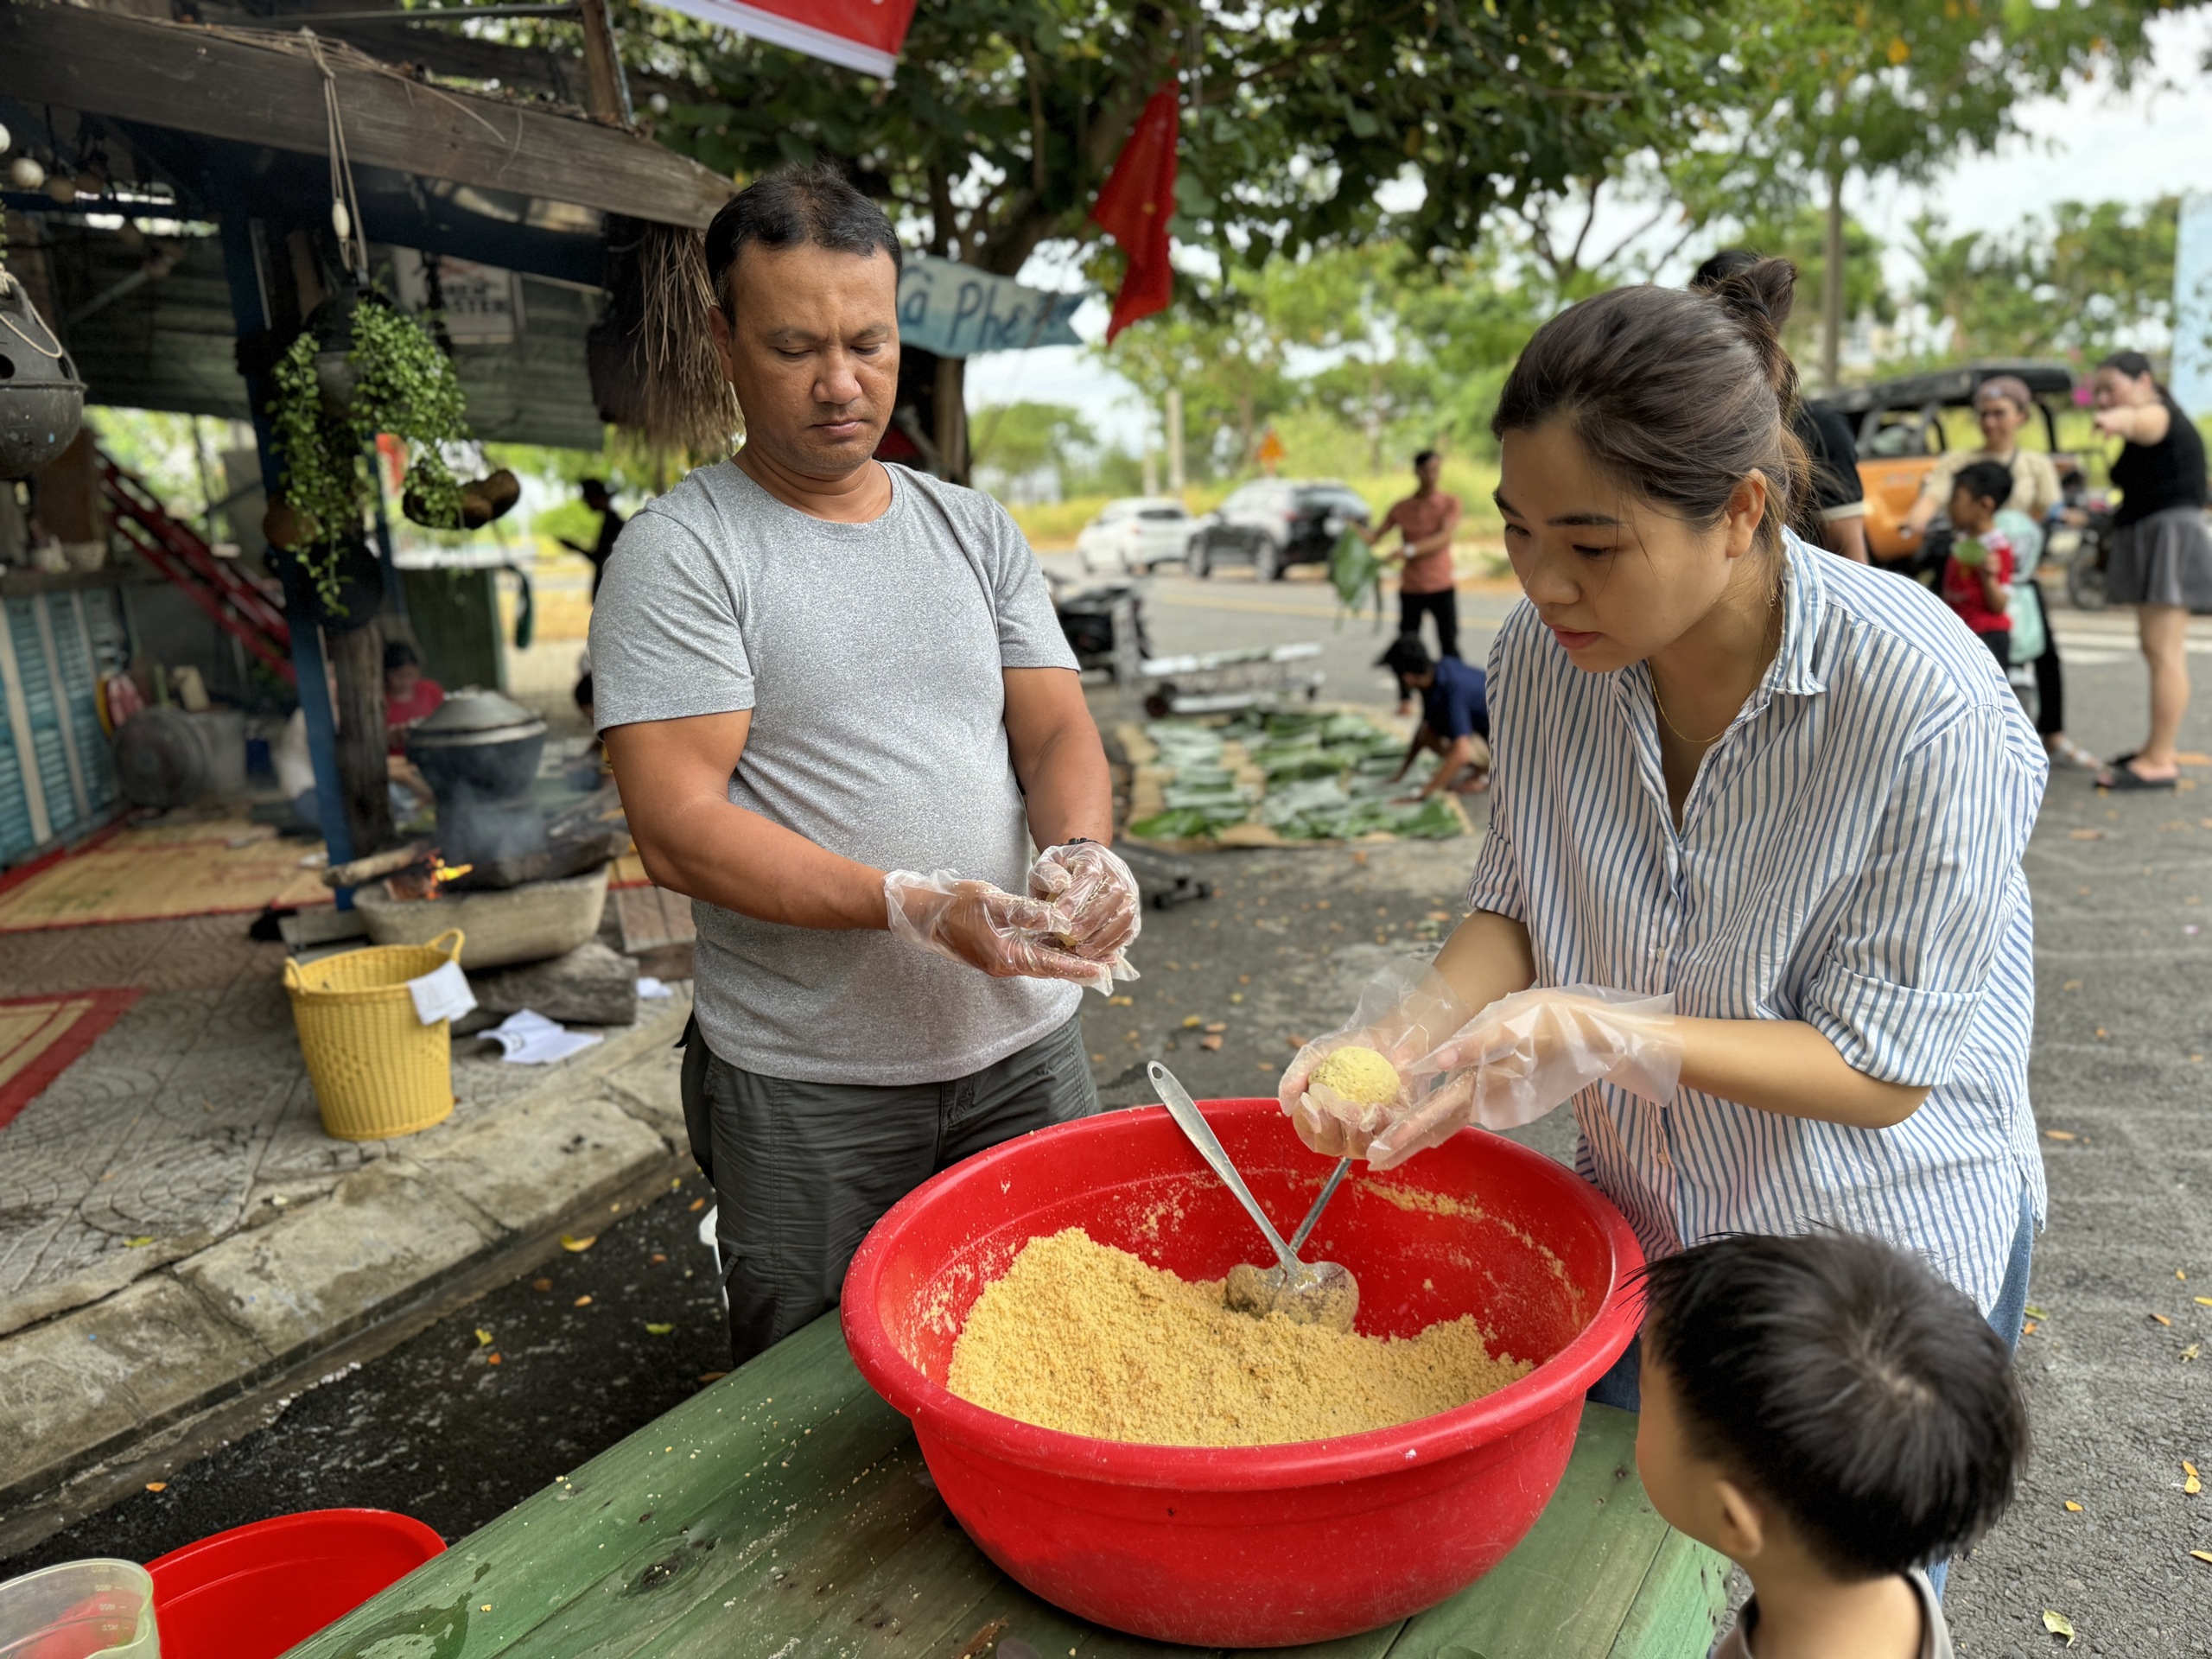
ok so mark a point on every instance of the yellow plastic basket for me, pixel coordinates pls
(378, 1070)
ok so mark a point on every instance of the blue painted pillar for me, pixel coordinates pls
(250, 311)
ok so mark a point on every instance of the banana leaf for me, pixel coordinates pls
(1357, 575)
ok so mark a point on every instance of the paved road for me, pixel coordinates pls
(2120, 1072)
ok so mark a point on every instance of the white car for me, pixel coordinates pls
(1134, 533)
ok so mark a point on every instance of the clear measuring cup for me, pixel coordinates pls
(78, 1609)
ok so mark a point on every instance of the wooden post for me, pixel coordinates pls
(1831, 289)
(607, 90)
(952, 418)
(359, 655)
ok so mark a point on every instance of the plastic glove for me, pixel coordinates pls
(1096, 896)
(1527, 1053)
(1004, 934)
(1401, 1013)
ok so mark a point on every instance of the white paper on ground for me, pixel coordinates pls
(652, 989)
(441, 994)
(529, 1038)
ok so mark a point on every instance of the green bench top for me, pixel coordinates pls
(785, 1512)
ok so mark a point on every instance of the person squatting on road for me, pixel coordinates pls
(820, 678)
(1751, 896)
(2161, 559)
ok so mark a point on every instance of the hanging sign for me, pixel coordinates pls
(862, 34)
(956, 311)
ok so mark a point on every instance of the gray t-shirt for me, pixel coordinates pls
(870, 656)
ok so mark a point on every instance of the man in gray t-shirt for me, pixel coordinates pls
(812, 670)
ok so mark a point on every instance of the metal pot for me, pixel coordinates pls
(41, 399)
(479, 755)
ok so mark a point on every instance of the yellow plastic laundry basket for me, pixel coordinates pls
(378, 1070)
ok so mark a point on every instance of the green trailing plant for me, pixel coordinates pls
(402, 385)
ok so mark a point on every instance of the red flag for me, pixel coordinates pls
(863, 34)
(1135, 206)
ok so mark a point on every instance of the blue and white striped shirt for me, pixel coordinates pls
(1849, 856)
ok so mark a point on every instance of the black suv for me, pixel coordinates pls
(1271, 524)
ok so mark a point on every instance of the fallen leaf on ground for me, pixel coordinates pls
(655, 1259)
(581, 1301)
(2035, 1313)
(2027, 1327)
(2058, 1624)
(2071, 985)
(2085, 835)
(1211, 1045)
(1218, 1025)
(2101, 1032)
(570, 1241)
(1192, 1022)
(1237, 996)
(712, 1377)
(157, 1485)
(2204, 1555)
(2162, 1318)
(2180, 1273)
(541, 1284)
(659, 1329)
(1295, 1040)
(1120, 1001)
(2202, 1301)
(2062, 1134)
(2191, 1351)
(138, 1243)
(1359, 858)
(490, 1359)
(2189, 1484)
(483, 1338)
(2072, 1507)
(699, 1205)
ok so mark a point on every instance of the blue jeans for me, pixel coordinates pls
(1622, 1385)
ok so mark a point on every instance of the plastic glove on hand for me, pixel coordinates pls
(1527, 1053)
(1336, 1108)
(1096, 895)
(1004, 934)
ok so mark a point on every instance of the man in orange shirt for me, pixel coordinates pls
(1424, 521)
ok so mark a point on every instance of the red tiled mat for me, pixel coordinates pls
(41, 1036)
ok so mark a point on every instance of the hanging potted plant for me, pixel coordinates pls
(363, 367)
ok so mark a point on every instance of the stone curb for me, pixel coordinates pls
(84, 1387)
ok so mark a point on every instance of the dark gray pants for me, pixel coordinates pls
(803, 1170)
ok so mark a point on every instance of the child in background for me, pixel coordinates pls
(1978, 576)
(1835, 1418)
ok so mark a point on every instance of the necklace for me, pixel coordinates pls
(1773, 629)
(1695, 742)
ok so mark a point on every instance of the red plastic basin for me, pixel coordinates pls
(256, 1590)
(1255, 1546)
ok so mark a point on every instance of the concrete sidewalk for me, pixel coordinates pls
(186, 1350)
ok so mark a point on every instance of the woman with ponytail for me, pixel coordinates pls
(1752, 895)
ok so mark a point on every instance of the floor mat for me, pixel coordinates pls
(39, 1036)
(160, 871)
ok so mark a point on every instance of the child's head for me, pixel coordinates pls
(1647, 461)
(1976, 494)
(1825, 1398)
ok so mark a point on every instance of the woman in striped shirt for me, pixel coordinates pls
(1788, 793)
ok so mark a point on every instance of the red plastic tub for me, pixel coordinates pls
(256, 1590)
(1255, 1546)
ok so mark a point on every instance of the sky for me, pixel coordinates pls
(2093, 145)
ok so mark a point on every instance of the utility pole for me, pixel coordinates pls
(1832, 288)
(1175, 479)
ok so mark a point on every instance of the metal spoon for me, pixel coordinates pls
(1321, 1292)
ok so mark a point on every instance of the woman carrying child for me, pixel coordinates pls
(1781, 797)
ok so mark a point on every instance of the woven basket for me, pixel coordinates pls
(378, 1070)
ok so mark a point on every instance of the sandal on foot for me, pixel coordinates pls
(2126, 778)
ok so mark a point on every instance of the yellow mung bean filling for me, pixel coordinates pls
(1082, 1338)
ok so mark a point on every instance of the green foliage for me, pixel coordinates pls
(1801, 237)
(2078, 283)
(1020, 437)
(402, 385)
(1006, 115)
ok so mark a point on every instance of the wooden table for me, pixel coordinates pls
(785, 1513)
